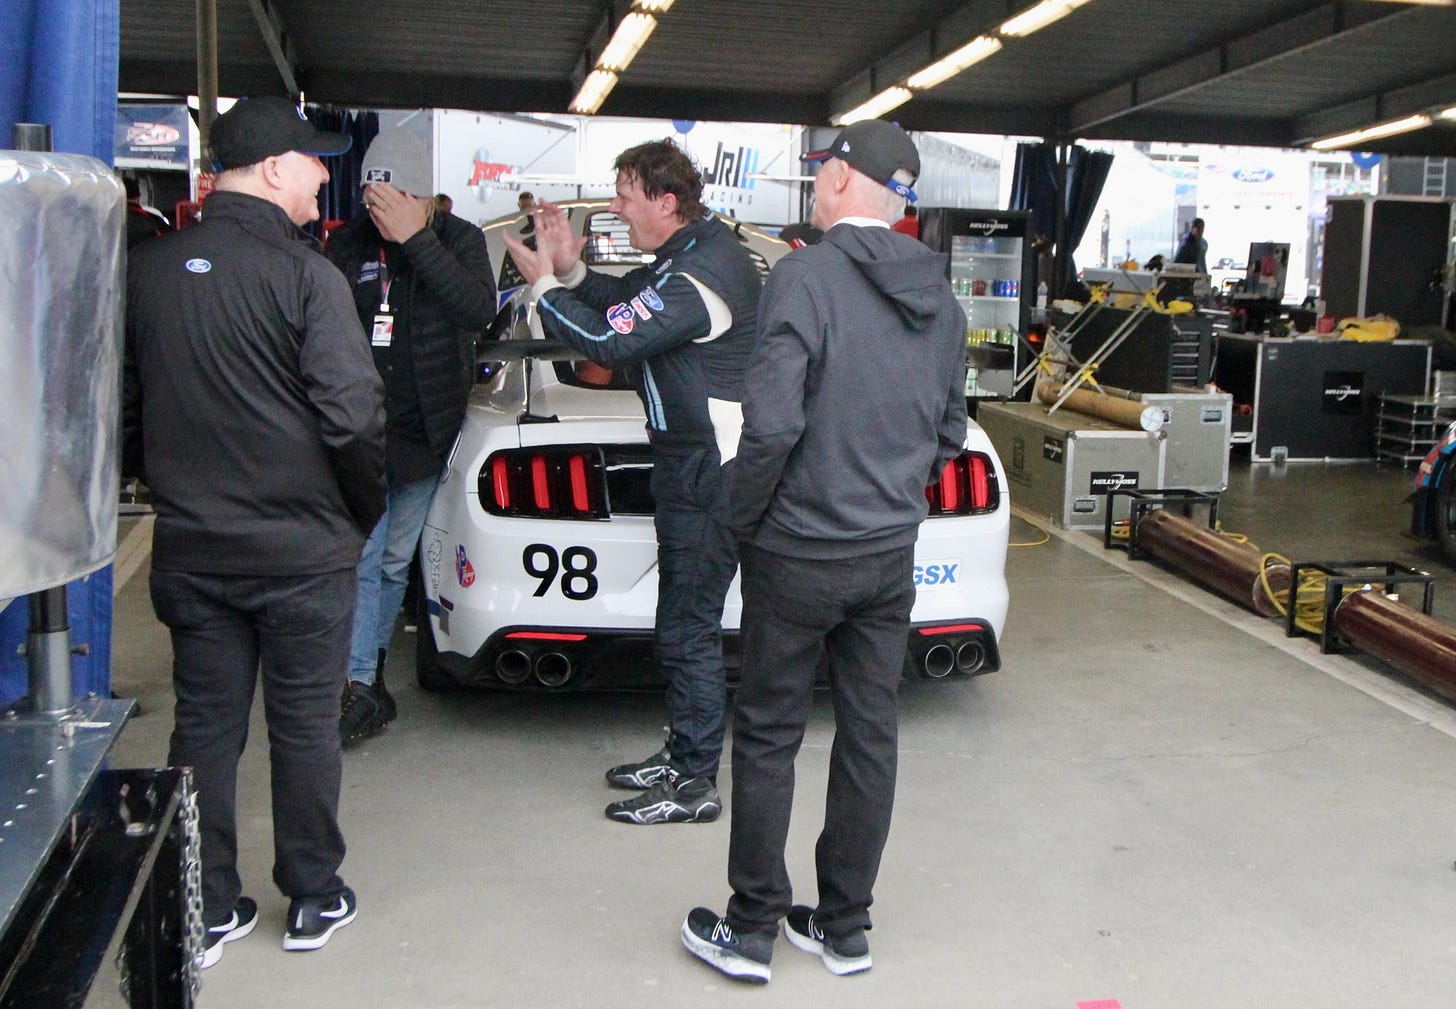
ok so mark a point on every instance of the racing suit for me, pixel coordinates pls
(684, 325)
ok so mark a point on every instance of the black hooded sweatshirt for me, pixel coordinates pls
(854, 399)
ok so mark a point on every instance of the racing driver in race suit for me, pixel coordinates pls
(682, 326)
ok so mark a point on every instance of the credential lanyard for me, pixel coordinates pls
(383, 282)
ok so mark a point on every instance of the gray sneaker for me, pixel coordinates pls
(847, 954)
(681, 800)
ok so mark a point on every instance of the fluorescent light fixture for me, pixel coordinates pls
(890, 98)
(653, 6)
(1448, 113)
(953, 63)
(631, 33)
(1039, 16)
(1389, 129)
(593, 91)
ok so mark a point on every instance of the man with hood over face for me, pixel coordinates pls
(853, 404)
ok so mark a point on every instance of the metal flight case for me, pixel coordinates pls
(1064, 465)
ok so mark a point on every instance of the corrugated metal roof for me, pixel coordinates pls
(1273, 72)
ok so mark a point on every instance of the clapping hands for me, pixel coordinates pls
(557, 250)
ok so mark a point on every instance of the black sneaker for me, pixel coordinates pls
(740, 955)
(681, 800)
(849, 954)
(239, 924)
(387, 708)
(644, 773)
(310, 923)
(385, 700)
(359, 715)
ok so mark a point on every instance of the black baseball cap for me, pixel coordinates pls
(263, 127)
(878, 149)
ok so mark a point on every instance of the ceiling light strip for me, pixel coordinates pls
(1389, 129)
(593, 91)
(632, 32)
(1039, 17)
(890, 98)
(960, 59)
(626, 42)
(948, 66)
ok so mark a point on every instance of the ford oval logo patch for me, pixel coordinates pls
(198, 265)
(1253, 174)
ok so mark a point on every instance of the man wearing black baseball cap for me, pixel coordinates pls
(255, 415)
(880, 150)
(859, 371)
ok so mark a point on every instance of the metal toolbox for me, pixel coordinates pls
(1198, 426)
(1063, 465)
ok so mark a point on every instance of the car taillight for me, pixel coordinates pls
(556, 482)
(967, 487)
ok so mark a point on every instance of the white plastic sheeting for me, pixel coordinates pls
(60, 364)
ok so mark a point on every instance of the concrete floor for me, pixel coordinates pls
(1159, 803)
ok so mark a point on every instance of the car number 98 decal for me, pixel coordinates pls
(576, 565)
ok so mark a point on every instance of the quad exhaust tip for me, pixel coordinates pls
(939, 661)
(970, 657)
(553, 669)
(513, 666)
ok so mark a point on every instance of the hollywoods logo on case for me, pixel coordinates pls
(1106, 482)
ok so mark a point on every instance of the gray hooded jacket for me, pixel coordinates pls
(854, 399)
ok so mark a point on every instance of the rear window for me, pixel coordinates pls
(607, 244)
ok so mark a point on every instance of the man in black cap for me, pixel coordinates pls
(254, 413)
(859, 371)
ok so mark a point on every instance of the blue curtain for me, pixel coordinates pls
(339, 199)
(1034, 188)
(58, 66)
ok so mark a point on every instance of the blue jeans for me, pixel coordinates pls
(384, 573)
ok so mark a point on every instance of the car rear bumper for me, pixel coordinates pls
(577, 658)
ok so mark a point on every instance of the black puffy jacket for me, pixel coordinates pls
(442, 295)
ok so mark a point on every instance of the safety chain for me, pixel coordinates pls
(192, 892)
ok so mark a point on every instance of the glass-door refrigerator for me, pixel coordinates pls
(993, 274)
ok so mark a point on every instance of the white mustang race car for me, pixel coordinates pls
(539, 561)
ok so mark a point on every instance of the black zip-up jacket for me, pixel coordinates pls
(442, 297)
(250, 405)
(855, 399)
(657, 318)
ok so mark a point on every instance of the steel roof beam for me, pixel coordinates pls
(1422, 96)
(1273, 42)
(270, 26)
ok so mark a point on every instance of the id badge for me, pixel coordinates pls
(383, 334)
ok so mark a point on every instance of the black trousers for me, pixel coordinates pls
(297, 629)
(697, 555)
(857, 612)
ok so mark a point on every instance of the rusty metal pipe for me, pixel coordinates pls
(1420, 646)
(1220, 563)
